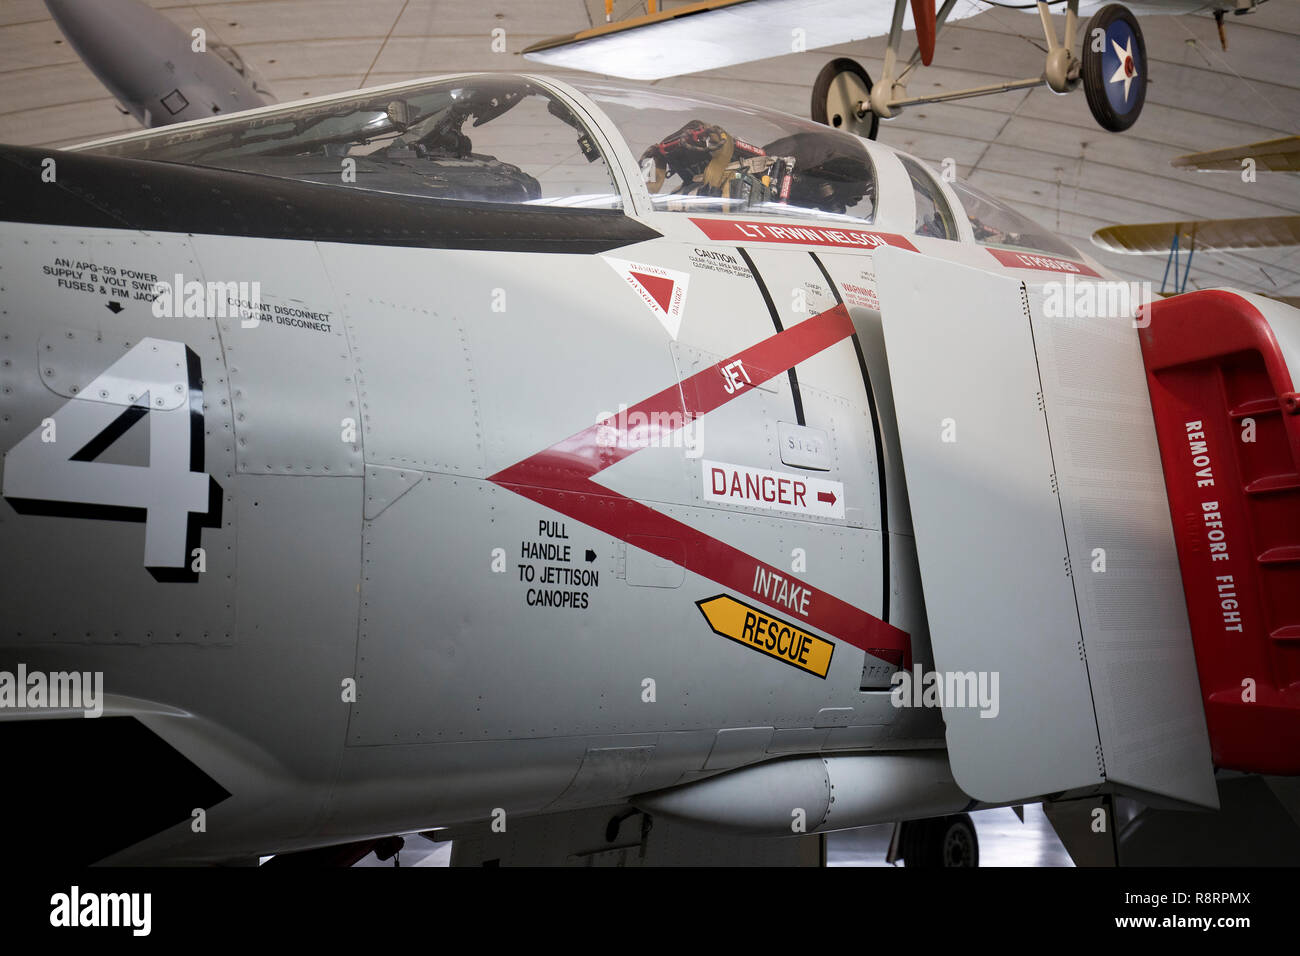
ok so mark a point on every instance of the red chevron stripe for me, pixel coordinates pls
(560, 478)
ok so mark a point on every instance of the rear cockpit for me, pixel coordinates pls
(702, 155)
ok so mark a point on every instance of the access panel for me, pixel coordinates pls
(1043, 536)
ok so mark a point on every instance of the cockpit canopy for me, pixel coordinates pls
(700, 154)
(511, 139)
(482, 138)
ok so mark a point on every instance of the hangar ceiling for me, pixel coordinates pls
(1042, 153)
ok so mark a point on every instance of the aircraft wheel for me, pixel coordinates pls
(841, 86)
(1114, 76)
(940, 842)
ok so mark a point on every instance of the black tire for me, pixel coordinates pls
(1115, 105)
(822, 112)
(940, 842)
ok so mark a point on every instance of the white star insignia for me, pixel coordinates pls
(1127, 70)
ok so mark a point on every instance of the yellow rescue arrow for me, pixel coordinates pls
(770, 635)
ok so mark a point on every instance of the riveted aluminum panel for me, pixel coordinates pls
(989, 535)
(416, 379)
(1141, 660)
(292, 377)
(81, 577)
(70, 359)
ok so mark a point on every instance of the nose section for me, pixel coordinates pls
(125, 44)
(109, 35)
(100, 22)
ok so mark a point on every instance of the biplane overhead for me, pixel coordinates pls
(1111, 65)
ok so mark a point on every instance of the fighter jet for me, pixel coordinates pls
(158, 73)
(588, 473)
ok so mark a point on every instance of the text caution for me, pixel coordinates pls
(769, 635)
(773, 490)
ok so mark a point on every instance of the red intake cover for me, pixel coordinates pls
(1228, 421)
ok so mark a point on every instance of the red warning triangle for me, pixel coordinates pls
(660, 289)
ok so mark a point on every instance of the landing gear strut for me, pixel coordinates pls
(1113, 71)
(841, 98)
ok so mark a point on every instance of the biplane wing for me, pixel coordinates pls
(718, 33)
(1274, 155)
(1223, 235)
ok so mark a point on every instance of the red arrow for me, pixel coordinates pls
(826, 496)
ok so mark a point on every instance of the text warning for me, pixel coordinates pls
(773, 490)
